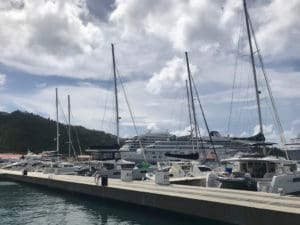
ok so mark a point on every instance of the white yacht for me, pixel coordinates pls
(113, 169)
(59, 168)
(267, 174)
(293, 149)
(177, 169)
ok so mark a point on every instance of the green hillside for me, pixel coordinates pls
(20, 131)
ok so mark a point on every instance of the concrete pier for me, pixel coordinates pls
(230, 206)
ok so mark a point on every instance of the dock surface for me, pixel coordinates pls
(231, 206)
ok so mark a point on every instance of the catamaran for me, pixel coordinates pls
(268, 174)
(252, 172)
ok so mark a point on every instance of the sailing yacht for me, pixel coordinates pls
(171, 148)
(267, 174)
(188, 147)
(257, 173)
(112, 167)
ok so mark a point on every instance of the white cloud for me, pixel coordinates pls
(61, 37)
(182, 23)
(273, 135)
(278, 33)
(183, 132)
(187, 131)
(54, 38)
(286, 85)
(294, 130)
(171, 78)
(64, 38)
(267, 129)
(2, 79)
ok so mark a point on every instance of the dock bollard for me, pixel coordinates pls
(104, 180)
(24, 172)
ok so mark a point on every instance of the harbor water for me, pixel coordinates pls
(26, 204)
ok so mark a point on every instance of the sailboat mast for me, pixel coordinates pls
(192, 98)
(205, 122)
(57, 122)
(116, 93)
(189, 106)
(69, 125)
(253, 67)
(276, 114)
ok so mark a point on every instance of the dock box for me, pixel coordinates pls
(162, 178)
(126, 175)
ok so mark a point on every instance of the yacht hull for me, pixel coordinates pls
(241, 183)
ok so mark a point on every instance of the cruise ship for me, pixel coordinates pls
(293, 149)
(175, 149)
(148, 138)
(159, 147)
(130, 148)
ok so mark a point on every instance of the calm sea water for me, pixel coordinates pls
(23, 204)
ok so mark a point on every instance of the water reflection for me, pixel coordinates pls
(22, 204)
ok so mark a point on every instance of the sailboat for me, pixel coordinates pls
(257, 172)
(165, 147)
(59, 166)
(112, 167)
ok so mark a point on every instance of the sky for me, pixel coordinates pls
(48, 44)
